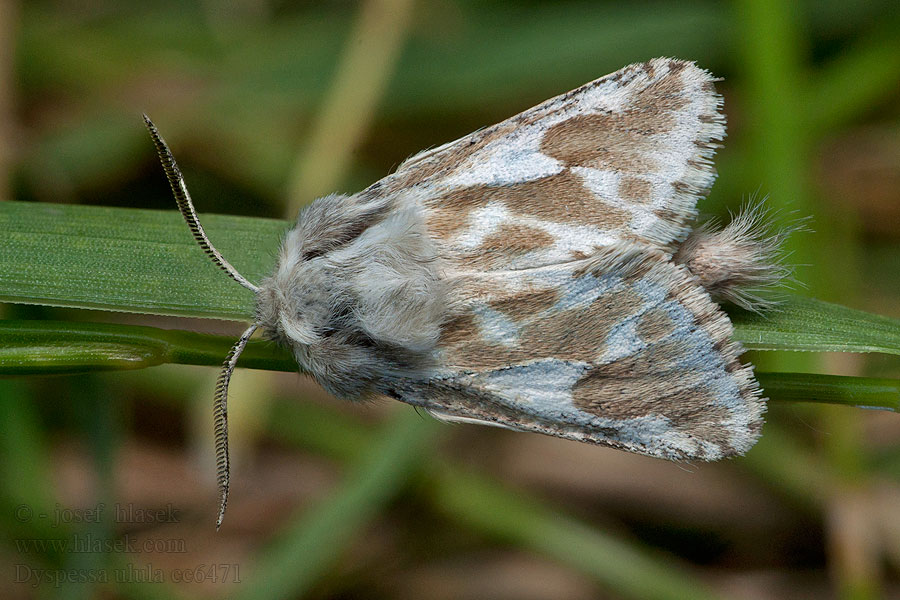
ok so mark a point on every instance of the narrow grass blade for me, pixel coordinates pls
(859, 392)
(808, 324)
(65, 347)
(130, 260)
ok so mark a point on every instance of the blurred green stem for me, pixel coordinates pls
(370, 57)
(309, 545)
(620, 565)
(61, 347)
(321, 535)
(774, 45)
(9, 35)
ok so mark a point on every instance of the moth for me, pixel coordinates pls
(543, 274)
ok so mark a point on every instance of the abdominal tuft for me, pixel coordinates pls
(741, 261)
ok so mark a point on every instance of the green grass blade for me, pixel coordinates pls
(62, 347)
(130, 260)
(807, 324)
(859, 392)
(57, 347)
(145, 261)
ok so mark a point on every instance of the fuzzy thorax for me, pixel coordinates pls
(356, 294)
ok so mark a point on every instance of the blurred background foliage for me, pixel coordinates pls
(269, 104)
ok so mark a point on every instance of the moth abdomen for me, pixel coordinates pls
(740, 261)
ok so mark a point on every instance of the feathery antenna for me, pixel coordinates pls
(220, 401)
(186, 206)
(220, 418)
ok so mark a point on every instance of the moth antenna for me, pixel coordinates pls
(186, 206)
(220, 420)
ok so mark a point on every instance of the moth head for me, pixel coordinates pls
(298, 304)
(307, 300)
(220, 404)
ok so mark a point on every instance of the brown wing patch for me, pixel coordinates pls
(602, 141)
(562, 198)
(478, 355)
(581, 333)
(655, 324)
(559, 198)
(635, 190)
(619, 141)
(458, 330)
(516, 239)
(708, 427)
(682, 398)
(526, 304)
(666, 214)
(465, 346)
(450, 211)
(509, 241)
(658, 358)
(666, 94)
(577, 334)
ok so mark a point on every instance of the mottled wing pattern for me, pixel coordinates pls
(623, 158)
(623, 349)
